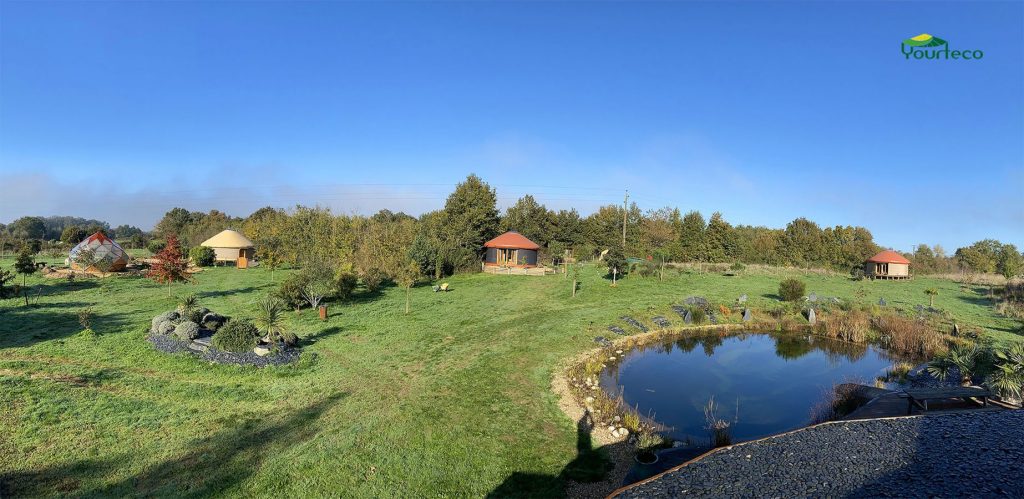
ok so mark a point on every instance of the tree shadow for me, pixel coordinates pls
(325, 333)
(212, 466)
(590, 465)
(25, 326)
(772, 296)
(230, 292)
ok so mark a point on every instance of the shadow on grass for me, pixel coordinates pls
(26, 326)
(229, 292)
(210, 467)
(590, 465)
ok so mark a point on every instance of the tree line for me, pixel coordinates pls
(448, 240)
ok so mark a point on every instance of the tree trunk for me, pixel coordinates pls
(574, 288)
(407, 290)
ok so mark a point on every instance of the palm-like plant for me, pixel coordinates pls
(1008, 377)
(965, 358)
(187, 305)
(270, 318)
(931, 292)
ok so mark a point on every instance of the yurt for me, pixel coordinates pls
(98, 253)
(511, 249)
(887, 264)
(231, 246)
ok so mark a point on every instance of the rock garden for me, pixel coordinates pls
(206, 334)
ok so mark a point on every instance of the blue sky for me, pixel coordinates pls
(763, 111)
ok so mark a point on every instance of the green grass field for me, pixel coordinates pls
(452, 400)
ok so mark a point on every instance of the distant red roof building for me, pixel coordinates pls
(888, 256)
(512, 240)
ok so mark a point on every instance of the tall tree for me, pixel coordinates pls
(471, 218)
(1009, 262)
(529, 218)
(691, 237)
(719, 239)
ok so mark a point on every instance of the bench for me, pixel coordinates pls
(921, 396)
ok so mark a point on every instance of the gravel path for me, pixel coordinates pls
(978, 454)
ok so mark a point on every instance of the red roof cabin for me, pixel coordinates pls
(511, 250)
(887, 264)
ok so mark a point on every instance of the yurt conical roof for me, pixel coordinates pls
(107, 255)
(228, 239)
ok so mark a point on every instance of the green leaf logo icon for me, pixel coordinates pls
(924, 40)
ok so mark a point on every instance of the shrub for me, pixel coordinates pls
(345, 284)
(616, 260)
(290, 291)
(792, 289)
(165, 322)
(155, 246)
(186, 331)
(237, 335)
(202, 256)
(213, 321)
(857, 274)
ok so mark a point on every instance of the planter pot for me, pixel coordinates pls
(646, 459)
(323, 312)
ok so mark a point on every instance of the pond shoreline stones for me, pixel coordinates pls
(633, 322)
(661, 321)
(903, 457)
(617, 330)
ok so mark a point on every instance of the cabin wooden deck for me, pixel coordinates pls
(491, 269)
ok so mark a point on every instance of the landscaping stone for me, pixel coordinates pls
(633, 322)
(186, 331)
(679, 309)
(601, 340)
(661, 321)
(713, 318)
(903, 457)
(617, 330)
(699, 301)
(261, 351)
(742, 298)
(811, 317)
(881, 302)
(688, 318)
(813, 297)
(746, 315)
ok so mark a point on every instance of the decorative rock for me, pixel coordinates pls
(661, 321)
(261, 351)
(742, 298)
(601, 340)
(186, 331)
(679, 309)
(713, 318)
(635, 323)
(811, 318)
(746, 315)
(881, 301)
(699, 301)
(589, 400)
(617, 330)
(956, 330)
(813, 297)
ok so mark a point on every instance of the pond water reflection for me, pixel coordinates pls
(765, 383)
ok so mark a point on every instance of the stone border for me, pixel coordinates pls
(171, 345)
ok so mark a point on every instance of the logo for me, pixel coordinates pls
(925, 46)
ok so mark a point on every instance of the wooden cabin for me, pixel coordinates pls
(511, 250)
(887, 264)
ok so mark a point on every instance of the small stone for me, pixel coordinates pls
(589, 400)
(261, 351)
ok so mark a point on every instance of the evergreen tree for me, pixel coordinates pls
(691, 237)
(471, 219)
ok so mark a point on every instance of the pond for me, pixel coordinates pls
(764, 383)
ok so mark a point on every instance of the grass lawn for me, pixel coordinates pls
(451, 400)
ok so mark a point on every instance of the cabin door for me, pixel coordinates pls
(507, 257)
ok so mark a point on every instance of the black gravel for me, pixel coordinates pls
(978, 454)
(617, 330)
(169, 344)
(633, 322)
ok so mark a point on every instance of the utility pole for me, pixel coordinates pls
(625, 210)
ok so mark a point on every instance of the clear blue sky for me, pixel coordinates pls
(763, 111)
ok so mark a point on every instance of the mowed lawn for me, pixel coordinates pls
(452, 400)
